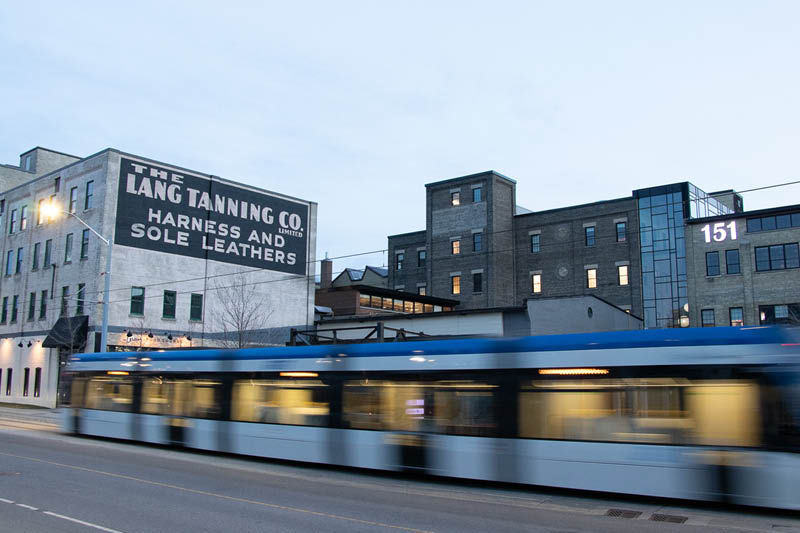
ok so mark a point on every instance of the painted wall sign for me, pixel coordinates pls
(186, 214)
(719, 232)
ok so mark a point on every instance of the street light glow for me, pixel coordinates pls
(50, 210)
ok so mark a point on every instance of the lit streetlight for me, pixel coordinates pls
(51, 210)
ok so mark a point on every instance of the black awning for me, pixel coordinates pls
(68, 332)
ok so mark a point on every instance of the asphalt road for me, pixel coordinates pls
(54, 482)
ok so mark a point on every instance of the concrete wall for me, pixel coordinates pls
(489, 323)
(580, 314)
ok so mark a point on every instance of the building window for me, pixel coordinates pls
(455, 247)
(43, 306)
(81, 295)
(398, 261)
(622, 274)
(14, 308)
(36, 248)
(9, 262)
(773, 222)
(712, 263)
(732, 265)
(137, 301)
(31, 306)
(421, 257)
(777, 257)
(73, 199)
(68, 248)
(737, 316)
(85, 244)
(12, 226)
(536, 283)
(535, 243)
(29, 163)
(422, 291)
(476, 194)
(591, 278)
(89, 195)
(455, 284)
(707, 316)
(57, 185)
(477, 282)
(40, 212)
(195, 307)
(455, 198)
(26, 378)
(20, 256)
(9, 373)
(780, 314)
(48, 253)
(4, 316)
(476, 242)
(622, 233)
(170, 299)
(23, 218)
(37, 382)
(64, 300)
(589, 234)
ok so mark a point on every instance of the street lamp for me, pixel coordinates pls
(50, 211)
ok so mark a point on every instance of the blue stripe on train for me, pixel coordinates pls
(546, 343)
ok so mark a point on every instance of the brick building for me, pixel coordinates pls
(745, 268)
(185, 248)
(479, 247)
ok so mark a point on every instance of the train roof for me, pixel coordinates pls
(548, 343)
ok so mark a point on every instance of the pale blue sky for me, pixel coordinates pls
(356, 105)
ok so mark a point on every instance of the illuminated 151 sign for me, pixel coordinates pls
(720, 231)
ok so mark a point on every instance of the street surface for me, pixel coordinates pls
(54, 482)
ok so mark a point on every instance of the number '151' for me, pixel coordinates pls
(718, 232)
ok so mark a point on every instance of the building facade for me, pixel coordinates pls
(190, 253)
(479, 247)
(745, 268)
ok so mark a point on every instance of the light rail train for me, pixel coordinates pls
(702, 414)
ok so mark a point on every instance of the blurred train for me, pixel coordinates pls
(704, 414)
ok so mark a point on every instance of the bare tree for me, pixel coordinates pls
(241, 313)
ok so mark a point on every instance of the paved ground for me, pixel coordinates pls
(50, 481)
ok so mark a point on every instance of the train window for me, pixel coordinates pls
(165, 396)
(642, 410)
(782, 412)
(362, 404)
(456, 407)
(206, 399)
(629, 410)
(725, 413)
(77, 391)
(465, 408)
(298, 402)
(112, 393)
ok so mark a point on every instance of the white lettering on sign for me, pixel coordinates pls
(719, 232)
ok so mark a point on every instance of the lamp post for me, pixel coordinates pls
(50, 211)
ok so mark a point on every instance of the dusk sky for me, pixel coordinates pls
(357, 105)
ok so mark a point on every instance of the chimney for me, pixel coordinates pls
(326, 274)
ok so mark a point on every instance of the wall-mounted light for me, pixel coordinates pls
(20, 344)
(30, 344)
(150, 334)
(129, 334)
(169, 336)
(188, 337)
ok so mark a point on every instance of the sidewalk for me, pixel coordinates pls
(23, 413)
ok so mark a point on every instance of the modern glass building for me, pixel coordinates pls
(663, 212)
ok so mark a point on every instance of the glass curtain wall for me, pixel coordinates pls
(662, 215)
